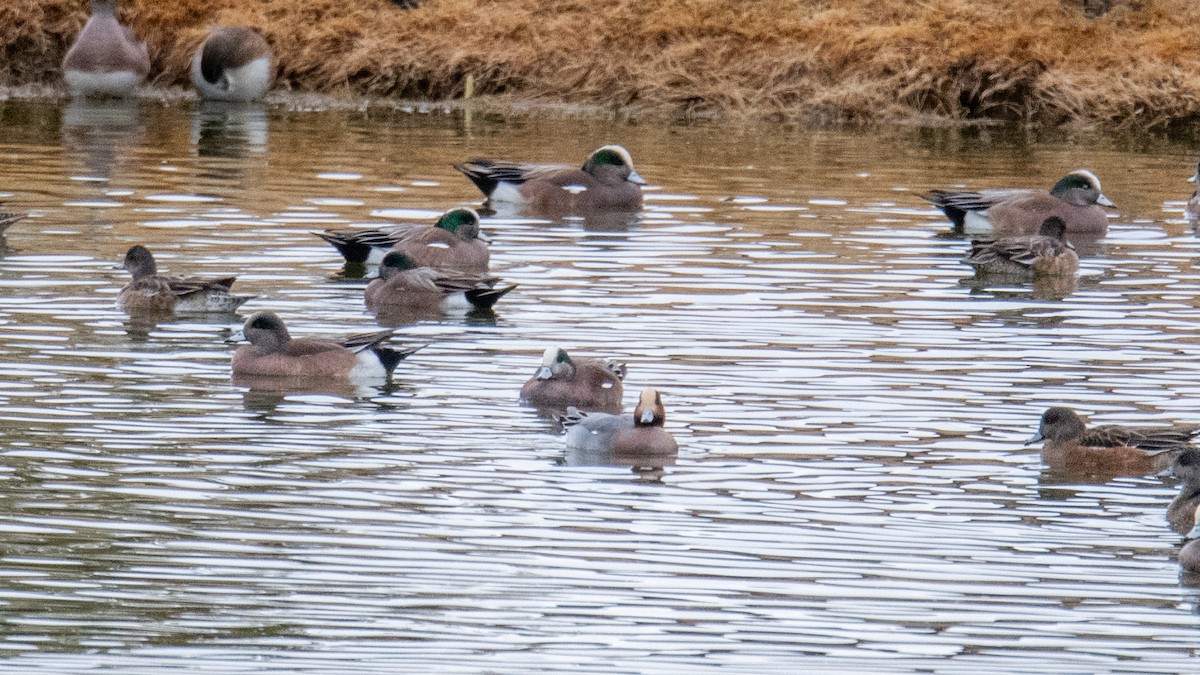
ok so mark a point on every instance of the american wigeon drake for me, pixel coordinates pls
(1189, 555)
(605, 181)
(7, 218)
(454, 242)
(587, 384)
(1076, 199)
(1192, 209)
(1185, 467)
(402, 283)
(106, 58)
(233, 64)
(1110, 448)
(273, 352)
(1046, 253)
(150, 291)
(639, 433)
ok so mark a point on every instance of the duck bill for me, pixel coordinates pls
(1037, 438)
(1105, 201)
(544, 373)
(635, 178)
(238, 336)
(1194, 533)
(647, 416)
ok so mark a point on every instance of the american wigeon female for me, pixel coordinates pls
(587, 384)
(454, 242)
(7, 218)
(1189, 555)
(273, 352)
(1192, 210)
(402, 283)
(1076, 199)
(1185, 467)
(106, 58)
(150, 291)
(639, 433)
(1043, 254)
(1110, 448)
(605, 181)
(233, 64)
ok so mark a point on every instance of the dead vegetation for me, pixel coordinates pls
(1117, 62)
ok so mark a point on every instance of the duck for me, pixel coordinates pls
(641, 433)
(1110, 448)
(403, 283)
(1191, 210)
(106, 58)
(586, 384)
(1185, 467)
(1076, 199)
(234, 63)
(1189, 555)
(150, 291)
(1044, 254)
(7, 218)
(454, 242)
(606, 181)
(273, 352)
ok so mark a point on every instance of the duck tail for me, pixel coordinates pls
(486, 298)
(390, 358)
(480, 173)
(352, 250)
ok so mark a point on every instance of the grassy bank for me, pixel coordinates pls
(1119, 62)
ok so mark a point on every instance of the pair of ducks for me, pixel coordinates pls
(1119, 450)
(589, 390)
(106, 59)
(1029, 225)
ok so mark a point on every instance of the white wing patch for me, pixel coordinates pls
(575, 189)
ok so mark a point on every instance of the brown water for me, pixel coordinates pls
(851, 494)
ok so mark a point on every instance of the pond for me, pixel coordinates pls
(852, 490)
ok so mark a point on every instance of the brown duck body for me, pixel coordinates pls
(152, 292)
(435, 247)
(629, 436)
(1046, 254)
(606, 181)
(1076, 199)
(587, 384)
(1109, 449)
(272, 352)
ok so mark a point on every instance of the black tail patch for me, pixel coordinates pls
(486, 298)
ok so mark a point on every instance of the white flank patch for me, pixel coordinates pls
(508, 193)
(116, 83)
(977, 223)
(575, 189)
(369, 367)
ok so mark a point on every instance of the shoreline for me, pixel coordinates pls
(940, 63)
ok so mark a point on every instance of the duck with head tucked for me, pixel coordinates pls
(150, 291)
(1044, 254)
(1185, 467)
(587, 384)
(403, 284)
(273, 352)
(233, 64)
(606, 180)
(639, 434)
(106, 58)
(1108, 449)
(454, 242)
(1076, 199)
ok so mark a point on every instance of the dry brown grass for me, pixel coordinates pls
(853, 60)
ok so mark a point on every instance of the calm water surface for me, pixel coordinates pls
(852, 492)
